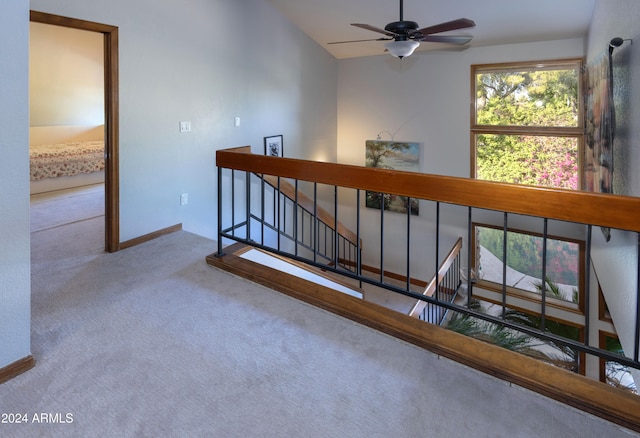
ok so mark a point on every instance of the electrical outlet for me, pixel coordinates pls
(236, 122)
(184, 199)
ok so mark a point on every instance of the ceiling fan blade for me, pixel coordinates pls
(461, 23)
(452, 39)
(374, 29)
(360, 41)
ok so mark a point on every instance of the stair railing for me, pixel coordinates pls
(241, 210)
(308, 226)
(444, 286)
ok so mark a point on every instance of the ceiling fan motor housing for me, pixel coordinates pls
(401, 27)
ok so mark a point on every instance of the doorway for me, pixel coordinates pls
(111, 128)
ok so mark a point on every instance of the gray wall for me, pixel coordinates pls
(15, 261)
(206, 61)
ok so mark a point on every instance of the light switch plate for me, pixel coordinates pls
(185, 126)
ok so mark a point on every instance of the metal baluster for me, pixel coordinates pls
(325, 251)
(283, 214)
(248, 204)
(469, 251)
(219, 211)
(457, 271)
(381, 237)
(504, 266)
(302, 232)
(275, 200)
(348, 254)
(637, 337)
(233, 203)
(295, 221)
(543, 291)
(279, 195)
(336, 243)
(408, 243)
(437, 294)
(587, 286)
(262, 209)
(358, 249)
(315, 222)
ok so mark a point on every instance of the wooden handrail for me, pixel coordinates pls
(604, 210)
(437, 278)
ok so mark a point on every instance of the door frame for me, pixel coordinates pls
(111, 133)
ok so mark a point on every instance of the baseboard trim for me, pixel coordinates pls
(16, 368)
(150, 236)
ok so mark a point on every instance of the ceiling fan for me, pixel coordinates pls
(405, 36)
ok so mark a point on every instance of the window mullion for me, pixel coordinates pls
(552, 131)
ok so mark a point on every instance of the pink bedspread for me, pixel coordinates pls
(66, 159)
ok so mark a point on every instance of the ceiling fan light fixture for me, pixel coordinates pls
(400, 49)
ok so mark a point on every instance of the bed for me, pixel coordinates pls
(66, 159)
(65, 164)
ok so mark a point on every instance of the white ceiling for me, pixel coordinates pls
(497, 21)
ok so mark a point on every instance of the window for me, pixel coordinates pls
(564, 264)
(565, 260)
(554, 353)
(526, 123)
(603, 309)
(614, 373)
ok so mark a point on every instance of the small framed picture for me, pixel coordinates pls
(273, 146)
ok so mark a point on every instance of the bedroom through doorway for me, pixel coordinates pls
(74, 128)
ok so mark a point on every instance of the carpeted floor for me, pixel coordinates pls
(62, 207)
(153, 342)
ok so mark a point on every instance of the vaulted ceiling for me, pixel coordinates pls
(497, 21)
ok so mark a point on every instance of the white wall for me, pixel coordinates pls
(15, 254)
(616, 262)
(177, 62)
(424, 98)
(66, 76)
(206, 61)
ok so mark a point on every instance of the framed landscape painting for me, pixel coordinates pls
(394, 155)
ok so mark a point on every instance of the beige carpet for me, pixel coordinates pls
(153, 342)
(61, 207)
